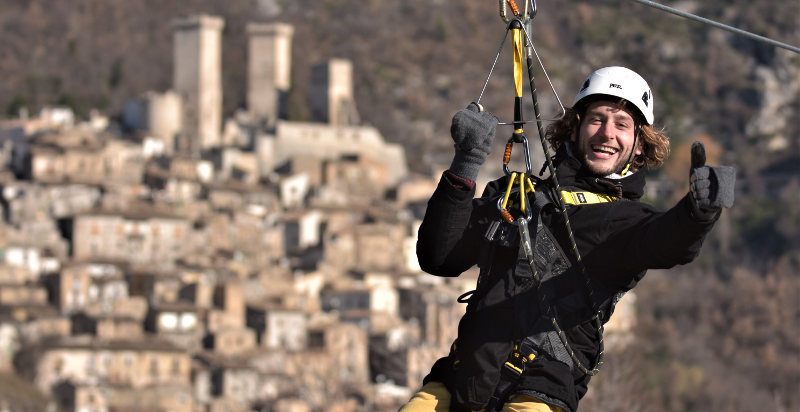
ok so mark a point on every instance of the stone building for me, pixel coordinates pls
(157, 114)
(227, 384)
(327, 142)
(89, 286)
(336, 358)
(75, 156)
(278, 328)
(140, 235)
(26, 201)
(135, 364)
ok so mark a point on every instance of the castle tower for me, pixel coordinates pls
(332, 99)
(164, 114)
(197, 77)
(269, 69)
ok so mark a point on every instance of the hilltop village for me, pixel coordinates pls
(182, 261)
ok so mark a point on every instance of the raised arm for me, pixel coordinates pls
(449, 237)
(647, 239)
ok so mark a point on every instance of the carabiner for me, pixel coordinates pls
(507, 153)
(502, 201)
(515, 10)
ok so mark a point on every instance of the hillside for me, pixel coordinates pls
(720, 334)
(420, 60)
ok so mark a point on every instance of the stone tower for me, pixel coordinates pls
(269, 68)
(332, 99)
(197, 77)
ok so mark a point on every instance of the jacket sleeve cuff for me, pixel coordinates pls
(459, 182)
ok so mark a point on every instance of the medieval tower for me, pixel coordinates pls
(332, 98)
(197, 77)
(269, 70)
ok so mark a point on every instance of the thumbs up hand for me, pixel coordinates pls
(711, 186)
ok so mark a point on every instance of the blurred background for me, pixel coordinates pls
(722, 333)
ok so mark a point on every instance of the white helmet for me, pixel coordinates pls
(620, 82)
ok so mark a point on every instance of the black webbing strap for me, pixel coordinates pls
(511, 373)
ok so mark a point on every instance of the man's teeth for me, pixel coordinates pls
(604, 149)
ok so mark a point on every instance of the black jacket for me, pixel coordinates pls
(617, 241)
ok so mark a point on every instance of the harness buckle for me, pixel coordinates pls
(518, 361)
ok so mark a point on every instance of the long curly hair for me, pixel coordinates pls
(655, 144)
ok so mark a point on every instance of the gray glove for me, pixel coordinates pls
(711, 186)
(472, 131)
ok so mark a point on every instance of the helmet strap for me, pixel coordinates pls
(627, 167)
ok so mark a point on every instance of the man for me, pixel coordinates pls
(531, 337)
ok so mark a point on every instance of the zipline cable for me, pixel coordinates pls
(719, 25)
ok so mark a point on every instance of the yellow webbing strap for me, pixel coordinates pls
(584, 198)
(510, 365)
(508, 189)
(518, 55)
(519, 49)
(522, 192)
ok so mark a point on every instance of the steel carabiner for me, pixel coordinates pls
(519, 138)
(524, 207)
(515, 10)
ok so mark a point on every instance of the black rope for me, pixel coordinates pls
(594, 370)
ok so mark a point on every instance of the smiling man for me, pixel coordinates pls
(607, 138)
(610, 124)
(531, 337)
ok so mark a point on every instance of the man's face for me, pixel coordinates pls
(604, 139)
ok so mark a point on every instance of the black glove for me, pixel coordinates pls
(472, 131)
(711, 186)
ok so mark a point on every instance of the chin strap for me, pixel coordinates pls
(628, 165)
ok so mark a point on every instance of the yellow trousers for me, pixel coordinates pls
(434, 397)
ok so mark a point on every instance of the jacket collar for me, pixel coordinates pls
(571, 172)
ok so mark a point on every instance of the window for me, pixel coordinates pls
(154, 368)
(90, 365)
(59, 366)
(188, 321)
(94, 292)
(168, 321)
(316, 339)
